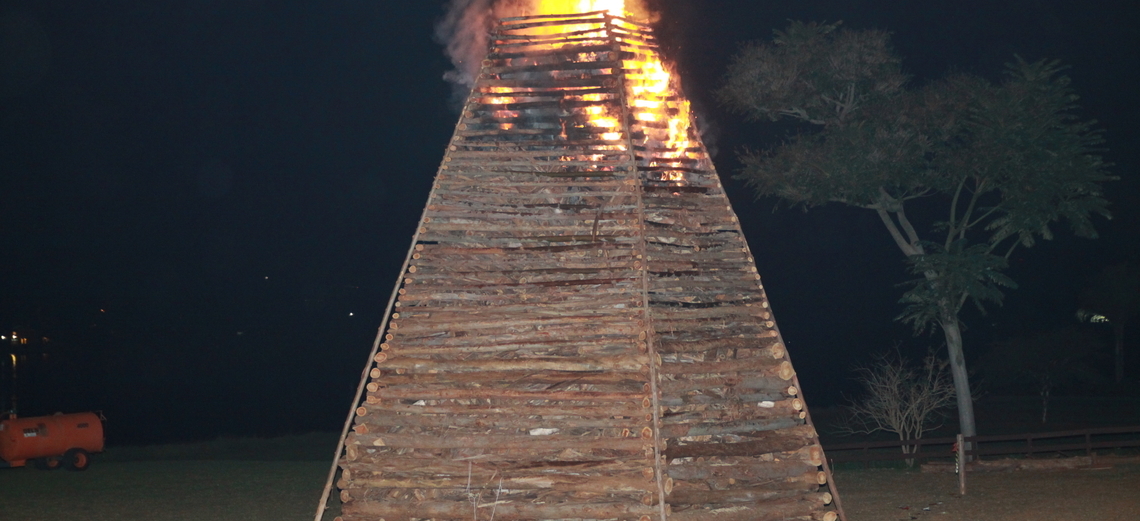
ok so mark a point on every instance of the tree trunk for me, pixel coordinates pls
(1118, 332)
(953, 332)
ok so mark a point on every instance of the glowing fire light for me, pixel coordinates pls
(613, 7)
(652, 91)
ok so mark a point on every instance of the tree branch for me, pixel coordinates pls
(983, 217)
(910, 232)
(889, 204)
(969, 211)
(1011, 248)
(954, 213)
(903, 245)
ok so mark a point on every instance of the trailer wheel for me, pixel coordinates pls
(77, 459)
(49, 463)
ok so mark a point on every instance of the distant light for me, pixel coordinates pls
(102, 311)
(1098, 319)
(266, 278)
(240, 333)
(350, 314)
(3, 338)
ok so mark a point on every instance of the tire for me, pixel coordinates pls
(49, 463)
(77, 460)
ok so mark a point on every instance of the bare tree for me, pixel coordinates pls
(900, 397)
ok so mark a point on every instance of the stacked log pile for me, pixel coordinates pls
(580, 331)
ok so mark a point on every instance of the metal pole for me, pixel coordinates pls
(12, 399)
(961, 465)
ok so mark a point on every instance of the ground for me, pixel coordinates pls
(1105, 494)
(225, 490)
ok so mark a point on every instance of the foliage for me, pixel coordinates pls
(813, 72)
(964, 270)
(987, 166)
(900, 397)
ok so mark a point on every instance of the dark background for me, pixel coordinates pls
(204, 204)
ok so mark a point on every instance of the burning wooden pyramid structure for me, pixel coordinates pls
(580, 332)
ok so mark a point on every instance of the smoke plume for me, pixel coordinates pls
(464, 32)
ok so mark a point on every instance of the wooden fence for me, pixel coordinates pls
(1086, 440)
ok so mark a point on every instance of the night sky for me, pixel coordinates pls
(204, 204)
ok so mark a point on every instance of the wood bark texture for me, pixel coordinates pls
(580, 332)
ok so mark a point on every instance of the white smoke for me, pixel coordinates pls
(465, 32)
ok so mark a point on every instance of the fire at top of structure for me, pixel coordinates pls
(651, 95)
(579, 331)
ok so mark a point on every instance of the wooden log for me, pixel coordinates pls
(727, 474)
(530, 420)
(734, 447)
(729, 412)
(471, 282)
(580, 19)
(372, 455)
(734, 495)
(427, 299)
(784, 509)
(783, 440)
(504, 511)
(682, 315)
(627, 483)
(620, 305)
(742, 468)
(768, 511)
(751, 331)
(536, 378)
(487, 492)
(559, 347)
(555, 67)
(730, 427)
(768, 366)
(698, 341)
(724, 395)
(499, 394)
(483, 317)
(457, 341)
(629, 410)
(483, 470)
(566, 51)
(631, 363)
(521, 443)
(749, 383)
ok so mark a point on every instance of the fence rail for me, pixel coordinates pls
(1091, 439)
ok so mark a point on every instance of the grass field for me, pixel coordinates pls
(165, 491)
(248, 479)
(281, 479)
(288, 490)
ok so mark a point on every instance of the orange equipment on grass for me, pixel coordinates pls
(50, 442)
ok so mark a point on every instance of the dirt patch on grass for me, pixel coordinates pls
(1105, 494)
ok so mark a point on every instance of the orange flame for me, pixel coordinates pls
(613, 7)
(652, 92)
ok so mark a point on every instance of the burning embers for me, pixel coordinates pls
(598, 80)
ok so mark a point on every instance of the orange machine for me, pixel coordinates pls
(51, 442)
